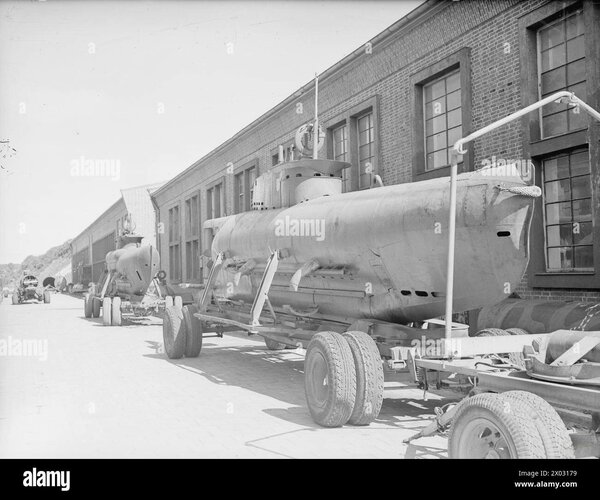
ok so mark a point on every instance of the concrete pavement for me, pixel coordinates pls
(72, 388)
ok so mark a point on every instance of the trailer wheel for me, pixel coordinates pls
(487, 426)
(47, 297)
(87, 305)
(515, 358)
(273, 345)
(369, 378)
(551, 427)
(173, 333)
(193, 332)
(517, 331)
(178, 301)
(106, 311)
(15, 298)
(168, 301)
(329, 379)
(116, 311)
(95, 306)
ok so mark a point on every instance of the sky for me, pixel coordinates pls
(145, 89)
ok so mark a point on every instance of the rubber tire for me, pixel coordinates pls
(96, 306)
(273, 345)
(341, 378)
(551, 427)
(173, 333)
(47, 297)
(515, 358)
(107, 311)
(115, 313)
(168, 301)
(369, 378)
(87, 305)
(517, 424)
(15, 299)
(193, 332)
(517, 331)
(178, 301)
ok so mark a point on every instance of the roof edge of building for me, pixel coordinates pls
(89, 226)
(418, 13)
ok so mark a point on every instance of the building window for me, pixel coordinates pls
(174, 244)
(244, 189)
(561, 66)
(568, 212)
(251, 176)
(289, 154)
(366, 150)
(340, 153)
(192, 238)
(443, 119)
(239, 193)
(214, 201)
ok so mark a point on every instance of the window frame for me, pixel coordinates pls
(242, 174)
(461, 61)
(190, 238)
(350, 118)
(538, 149)
(174, 241)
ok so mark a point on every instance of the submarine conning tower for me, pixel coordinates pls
(294, 182)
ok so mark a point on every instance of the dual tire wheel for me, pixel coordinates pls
(182, 331)
(343, 379)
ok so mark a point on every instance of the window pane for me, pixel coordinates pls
(576, 49)
(556, 168)
(437, 141)
(437, 160)
(435, 108)
(454, 134)
(560, 258)
(436, 125)
(454, 118)
(555, 124)
(577, 119)
(554, 80)
(434, 90)
(453, 82)
(453, 100)
(582, 187)
(558, 191)
(558, 212)
(552, 35)
(583, 233)
(579, 90)
(560, 235)
(580, 163)
(584, 257)
(576, 72)
(554, 57)
(582, 209)
(574, 25)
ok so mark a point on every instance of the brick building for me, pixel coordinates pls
(400, 101)
(89, 248)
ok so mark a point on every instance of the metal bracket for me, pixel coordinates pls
(212, 276)
(263, 288)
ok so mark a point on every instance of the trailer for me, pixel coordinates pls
(522, 390)
(132, 286)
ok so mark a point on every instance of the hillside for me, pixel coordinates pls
(55, 261)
